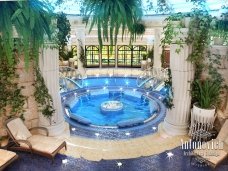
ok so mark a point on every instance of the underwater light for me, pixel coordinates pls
(97, 134)
(106, 81)
(64, 161)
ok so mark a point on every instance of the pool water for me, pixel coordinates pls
(110, 81)
(88, 106)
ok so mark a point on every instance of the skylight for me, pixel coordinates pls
(150, 6)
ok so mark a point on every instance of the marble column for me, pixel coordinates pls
(157, 47)
(49, 66)
(177, 119)
(80, 33)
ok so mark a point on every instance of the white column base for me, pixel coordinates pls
(173, 130)
(55, 130)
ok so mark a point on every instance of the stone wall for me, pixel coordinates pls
(26, 79)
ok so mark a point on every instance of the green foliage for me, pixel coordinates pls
(66, 55)
(173, 32)
(144, 57)
(64, 29)
(82, 56)
(42, 96)
(206, 93)
(164, 7)
(199, 38)
(199, 3)
(138, 29)
(220, 27)
(31, 20)
(169, 96)
(111, 16)
(149, 54)
(11, 99)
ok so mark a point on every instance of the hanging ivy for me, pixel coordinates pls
(11, 99)
(168, 101)
(199, 38)
(42, 96)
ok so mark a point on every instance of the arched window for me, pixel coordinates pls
(137, 53)
(124, 56)
(108, 56)
(92, 56)
(130, 56)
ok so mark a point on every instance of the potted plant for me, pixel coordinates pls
(150, 56)
(66, 55)
(144, 59)
(205, 93)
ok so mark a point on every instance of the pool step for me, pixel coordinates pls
(115, 94)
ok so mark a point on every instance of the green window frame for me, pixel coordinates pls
(108, 56)
(131, 56)
(137, 53)
(92, 56)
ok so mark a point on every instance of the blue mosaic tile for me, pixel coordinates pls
(160, 162)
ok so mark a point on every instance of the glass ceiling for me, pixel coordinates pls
(150, 6)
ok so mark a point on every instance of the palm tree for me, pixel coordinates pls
(110, 16)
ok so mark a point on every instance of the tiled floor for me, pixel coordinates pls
(98, 149)
(160, 162)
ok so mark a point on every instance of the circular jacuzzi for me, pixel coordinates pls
(112, 105)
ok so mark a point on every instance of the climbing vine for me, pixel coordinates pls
(11, 99)
(42, 96)
(168, 101)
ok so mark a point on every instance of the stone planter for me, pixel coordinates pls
(65, 63)
(218, 40)
(143, 64)
(203, 113)
(202, 121)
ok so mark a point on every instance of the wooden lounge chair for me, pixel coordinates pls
(215, 156)
(6, 158)
(25, 141)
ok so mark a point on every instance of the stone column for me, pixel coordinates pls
(157, 47)
(177, 119)
(80, 33)
(49, 66)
